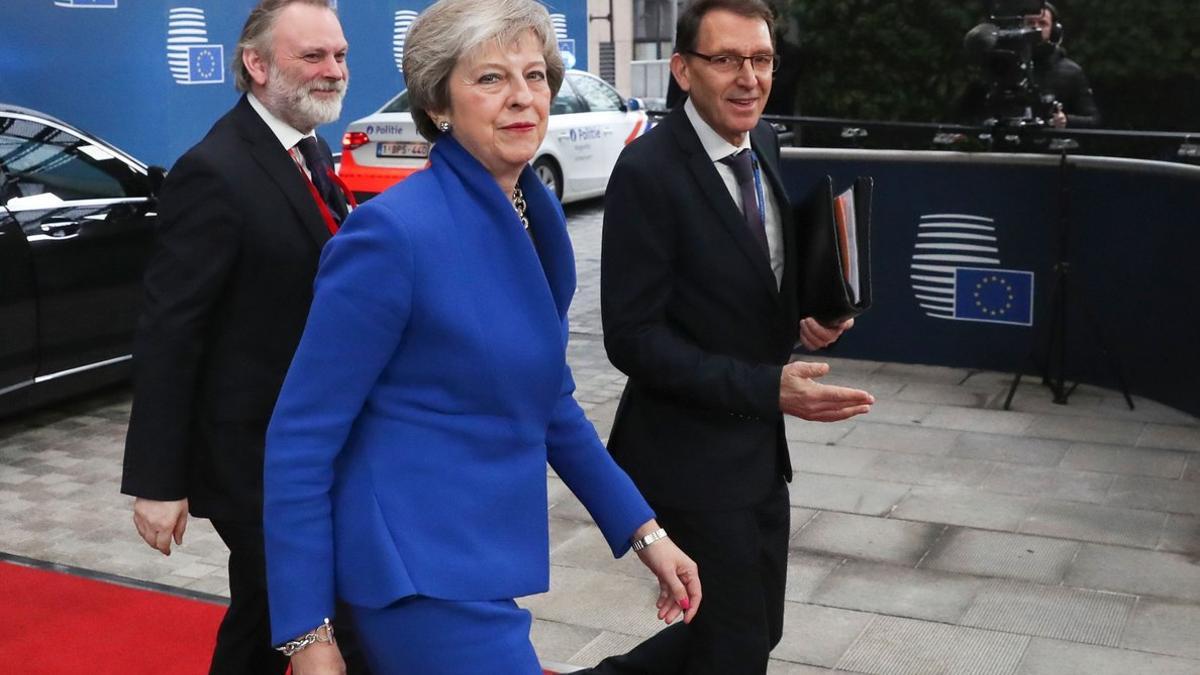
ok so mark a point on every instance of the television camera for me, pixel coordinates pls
(1005, 47)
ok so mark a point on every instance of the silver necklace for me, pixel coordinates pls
(518, 203)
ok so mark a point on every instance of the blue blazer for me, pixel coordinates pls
(407, 452)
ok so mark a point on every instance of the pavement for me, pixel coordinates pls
(938, 534)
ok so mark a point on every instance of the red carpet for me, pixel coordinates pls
(55, 624)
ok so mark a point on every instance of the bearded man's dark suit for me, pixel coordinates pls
(695, 317)
(227, 294)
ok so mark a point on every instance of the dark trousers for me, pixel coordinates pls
(244, 637)
(742, 557)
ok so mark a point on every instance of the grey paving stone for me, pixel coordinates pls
(554, 641)
(586, 598)
(897, 646)
(588, 550)
(971, 507)
(818, 636)
(1080, 486)
(1126, 570)
(897, 591)
(1181, 535)
(1073, 614)
(796, 429)
(1007, 448)
(900, 438)
(890, 411)
(799, 518)
(1174, 436)
(1093, 523)
(1171, 628)
(943, 394)
(867, 538)
(1192, 472)
(926, 470)
(997, 554)
(852, 495)
(924, 374)
(806, 572)
(1125, 460)
(778, 667)
(1055, 657)
(605, 644)
(563, 531)
(840, 460)
(1155, 494)
(1089, 430)
(986, 421)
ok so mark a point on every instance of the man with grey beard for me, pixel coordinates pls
(242, 219)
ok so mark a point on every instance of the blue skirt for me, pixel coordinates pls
(419, 635)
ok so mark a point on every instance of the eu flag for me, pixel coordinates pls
(993, 295)
(206, 63)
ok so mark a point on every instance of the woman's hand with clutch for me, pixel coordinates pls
(678, 576)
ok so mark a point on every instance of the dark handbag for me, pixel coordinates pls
(835, 252)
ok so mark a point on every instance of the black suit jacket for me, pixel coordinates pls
(693, 316)
(227, 294)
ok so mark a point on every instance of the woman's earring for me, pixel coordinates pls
(444, 126)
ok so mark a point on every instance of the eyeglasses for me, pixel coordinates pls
(731, 63)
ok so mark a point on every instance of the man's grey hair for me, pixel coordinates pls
(256, 35)
(449, 30)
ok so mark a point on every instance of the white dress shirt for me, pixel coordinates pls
(287, 134)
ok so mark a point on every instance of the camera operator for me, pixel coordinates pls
(1030, 78)
(1059, 79)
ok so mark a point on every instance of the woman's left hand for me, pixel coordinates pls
(678, 577)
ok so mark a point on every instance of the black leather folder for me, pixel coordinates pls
(825, 293)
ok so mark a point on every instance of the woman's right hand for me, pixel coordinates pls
(322, 658)
(678, 576)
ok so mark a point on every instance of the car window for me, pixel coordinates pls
(599, 96)
(41, 163)
(567, 101)
(398, 104)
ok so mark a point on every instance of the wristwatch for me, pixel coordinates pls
(639, 544)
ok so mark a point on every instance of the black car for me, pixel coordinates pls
(76, 220)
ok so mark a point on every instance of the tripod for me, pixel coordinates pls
(1054, 372)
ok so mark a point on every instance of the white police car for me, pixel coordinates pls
(589, 125)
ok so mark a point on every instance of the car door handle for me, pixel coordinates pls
(61, 230)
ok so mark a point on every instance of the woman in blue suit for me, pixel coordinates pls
(405, 462)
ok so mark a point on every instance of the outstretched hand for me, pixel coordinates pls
(800, 395)
(678, 577)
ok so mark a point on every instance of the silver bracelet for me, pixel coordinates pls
(292, 646)
(639, 544)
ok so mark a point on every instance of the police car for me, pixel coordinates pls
(589, 125)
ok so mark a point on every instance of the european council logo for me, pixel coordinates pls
(956, 272)
(87, 4)
(404, 20)
(190, 56)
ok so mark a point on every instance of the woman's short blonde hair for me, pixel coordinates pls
(449, 30)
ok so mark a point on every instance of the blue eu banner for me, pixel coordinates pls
(993, 295)
(205, 64)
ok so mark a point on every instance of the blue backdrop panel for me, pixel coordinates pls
(141, 73)
(1129, 238)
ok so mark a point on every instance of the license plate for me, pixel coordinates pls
(402, 149)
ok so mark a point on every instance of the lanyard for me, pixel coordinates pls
(326, 215)
(758, 191)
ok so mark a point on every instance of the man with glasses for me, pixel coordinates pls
(700, 310)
